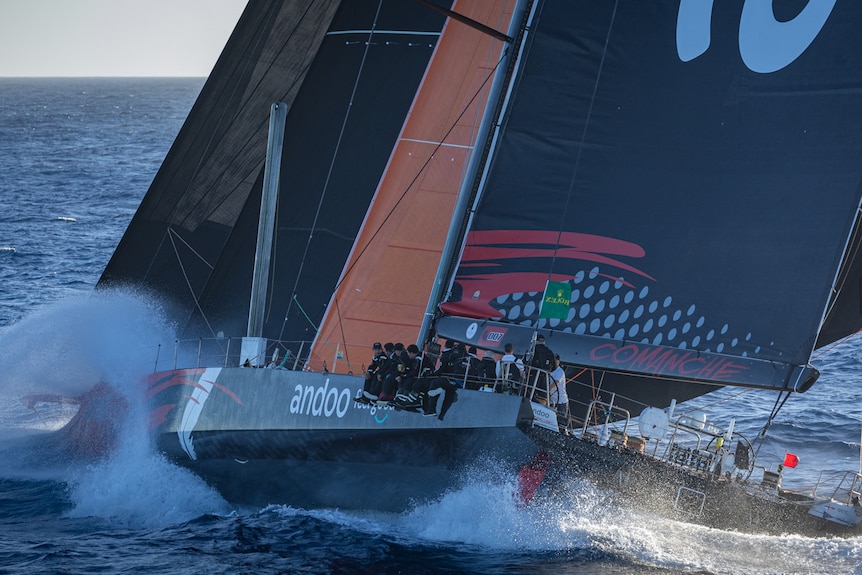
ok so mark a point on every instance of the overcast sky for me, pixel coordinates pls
(114, 37)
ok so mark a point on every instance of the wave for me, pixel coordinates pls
(480, 528)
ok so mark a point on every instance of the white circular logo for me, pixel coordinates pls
(472, 329)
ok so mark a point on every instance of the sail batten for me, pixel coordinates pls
(378, 31)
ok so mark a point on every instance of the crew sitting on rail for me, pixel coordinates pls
(453, 362)
(395, 368)
(405, 396)
(373, 375)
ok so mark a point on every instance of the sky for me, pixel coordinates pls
(114, 37)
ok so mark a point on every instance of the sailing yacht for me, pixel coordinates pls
(667, 191)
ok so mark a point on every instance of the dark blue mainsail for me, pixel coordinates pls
(692, 170)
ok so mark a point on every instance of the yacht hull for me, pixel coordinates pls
(263, 436)
(636, 480)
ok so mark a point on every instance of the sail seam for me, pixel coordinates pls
(418, 174)
(439, 144)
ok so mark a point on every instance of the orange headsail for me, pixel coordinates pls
(388, 278)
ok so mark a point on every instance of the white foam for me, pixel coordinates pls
(67, 348)
(139, 488)
(483, 516)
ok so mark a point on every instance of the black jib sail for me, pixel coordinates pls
(688, 175)
(348, 73)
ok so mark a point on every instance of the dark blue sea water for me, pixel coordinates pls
(76, 157)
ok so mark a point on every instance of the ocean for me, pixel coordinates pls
(76, 157)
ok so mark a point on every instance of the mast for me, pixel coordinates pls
(253, 345)
(466, 197)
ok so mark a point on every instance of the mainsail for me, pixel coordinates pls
(691, 170)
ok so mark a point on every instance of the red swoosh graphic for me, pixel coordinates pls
(496, 249)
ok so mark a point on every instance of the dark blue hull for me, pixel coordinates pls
(264, 436)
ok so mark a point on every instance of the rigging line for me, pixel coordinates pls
(583, 137)
(779, 403)
(174, 234)
(341, 327)
(158, 249)
(419, 173)
(304, 314)
(332, 163)
(824, 350)
(191, 289)
(328, 343)
(597, 391)
(270, 292)
(717, 402)
(844, 271)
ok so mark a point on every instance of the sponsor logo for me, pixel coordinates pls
(544, 417)
(380, 413)
(665, 361)
(321, 401)
(540, 411)
(471, 330)
(765, 44)
(492, 335)
(558, 299)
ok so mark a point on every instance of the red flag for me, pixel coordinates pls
(790, 460)
(530, 477)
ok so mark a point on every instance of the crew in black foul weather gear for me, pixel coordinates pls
(395, 370)
(373, 375)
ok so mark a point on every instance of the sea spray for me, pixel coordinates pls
(68, 351)
(136, 487)
(644, 539)
(59, 353)
(578, 522)
(486, 512)
(66, 348)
